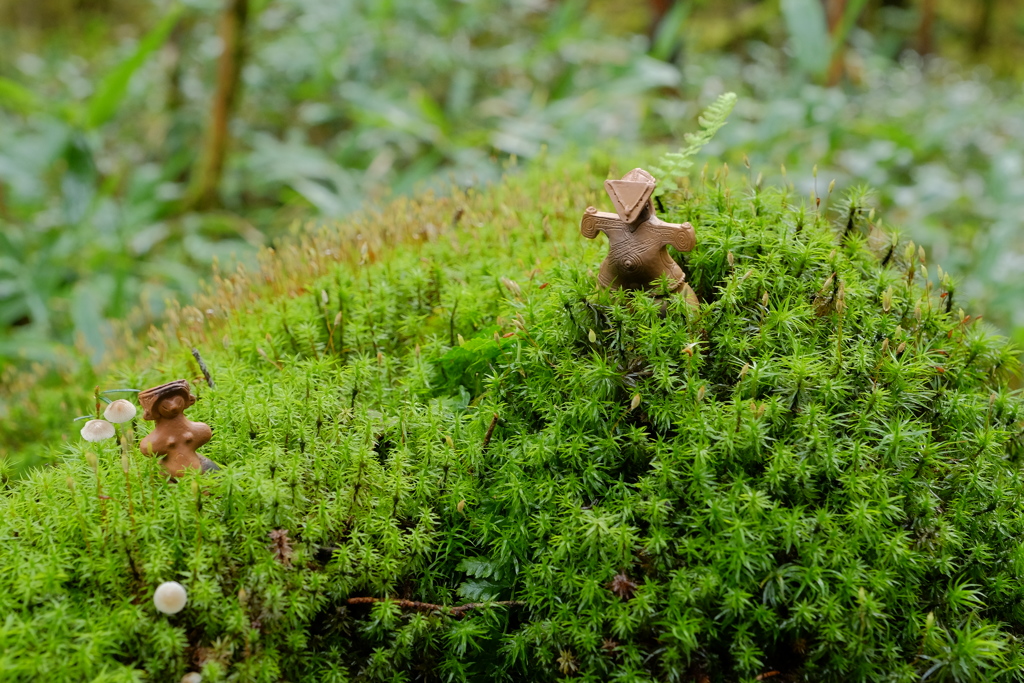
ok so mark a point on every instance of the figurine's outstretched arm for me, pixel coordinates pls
(680, 236)
(595, 221)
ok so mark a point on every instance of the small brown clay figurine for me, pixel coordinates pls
(174, 435)
(637, 257)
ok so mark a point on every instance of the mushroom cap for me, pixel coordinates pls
(120, 411)
(170, 597)
(97, 430)
(192, 677)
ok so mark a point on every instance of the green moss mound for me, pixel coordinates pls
(449, 457)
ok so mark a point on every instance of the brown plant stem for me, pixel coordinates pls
(925, 30)
(490, 432)
(4, 211)
(834, 10)
(203, 192)
(982, 33)
(202, 366)
(658, 10)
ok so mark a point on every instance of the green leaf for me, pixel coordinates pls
(480, 590)
(808, 34)
(112, 89)
(87, 315)
(466, 364)
(431, 111)
(17, 97)
(78, 184)
(667, 38)
(479, 567)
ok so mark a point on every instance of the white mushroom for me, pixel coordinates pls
(192, 677)
(97, 430)
(120, 411)
(170, 597)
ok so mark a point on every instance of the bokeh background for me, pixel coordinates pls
(144, 142)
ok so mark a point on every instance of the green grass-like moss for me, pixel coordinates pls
(813, 473)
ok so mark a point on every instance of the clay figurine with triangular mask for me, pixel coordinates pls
(637, 238)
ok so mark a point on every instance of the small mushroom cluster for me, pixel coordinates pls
(174, 436)
(117, 412)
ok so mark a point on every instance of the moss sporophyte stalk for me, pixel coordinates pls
(814, 471)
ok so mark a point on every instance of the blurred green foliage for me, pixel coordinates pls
(339, 99)
(103, 106)
(942, 146)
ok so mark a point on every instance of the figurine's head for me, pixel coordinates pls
(166, 401)
(632, 196)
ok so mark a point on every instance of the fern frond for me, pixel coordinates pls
(675, 164)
